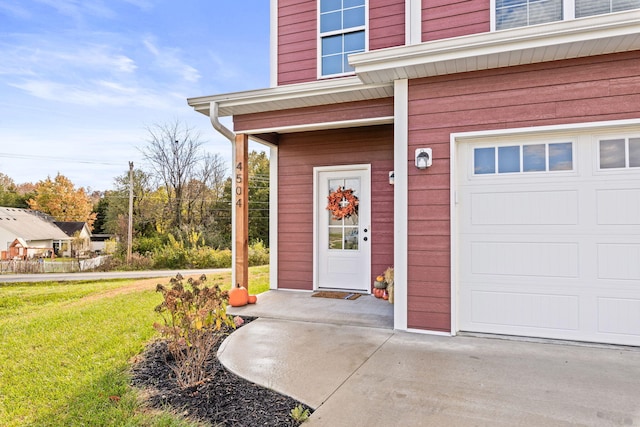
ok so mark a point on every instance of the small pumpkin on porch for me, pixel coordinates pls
(252, 299)
(238, 296)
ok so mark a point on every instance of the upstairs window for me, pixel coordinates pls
(599, 7)
(521, 13)
(342, 32)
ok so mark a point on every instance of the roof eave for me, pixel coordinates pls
(611, 33)
(299, 95)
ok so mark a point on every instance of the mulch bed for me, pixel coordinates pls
(224, 399)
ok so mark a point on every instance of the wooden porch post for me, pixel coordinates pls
(241, 206)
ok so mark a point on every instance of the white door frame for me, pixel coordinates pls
(367, 203)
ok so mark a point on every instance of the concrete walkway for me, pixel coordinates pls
(373, 376)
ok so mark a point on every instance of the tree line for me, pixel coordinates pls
(181, 194)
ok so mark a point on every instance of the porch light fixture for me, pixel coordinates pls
(424, 158)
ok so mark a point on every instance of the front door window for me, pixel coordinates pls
(343, 201)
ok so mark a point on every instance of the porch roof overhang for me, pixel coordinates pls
(300, 95)
(603, 34)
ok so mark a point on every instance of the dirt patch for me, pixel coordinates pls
(225, 399)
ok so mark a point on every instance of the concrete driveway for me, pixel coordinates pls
(367, 376)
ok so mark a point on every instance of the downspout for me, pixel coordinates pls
(227, 133)
(213, 116)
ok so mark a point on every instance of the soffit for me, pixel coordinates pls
(301, 95)
(611, 33)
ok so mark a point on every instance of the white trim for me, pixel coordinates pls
(428, 332)
(325, 125)
(299, 95)
(413, 22)
(273, 43)
(400, 203)
(460, 137)
(453, 217)
(316, 172)
(273, 217)
(597, 35)
(233, 218)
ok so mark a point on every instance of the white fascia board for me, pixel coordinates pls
(478, 51)
(289, 96)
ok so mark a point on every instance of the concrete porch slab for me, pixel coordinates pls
(301, 306)
(362, 376)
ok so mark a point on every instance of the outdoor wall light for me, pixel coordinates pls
(424, 158)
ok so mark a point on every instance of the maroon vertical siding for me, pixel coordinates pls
(297, 41)
(582, 90)
(386, 23)
(298, 154)
(442, 19)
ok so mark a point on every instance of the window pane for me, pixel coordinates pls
(519, 13)
(354, 17)
(534, 158)
(335, 237)
(331, 22)
(331, 65)
(619, 5)
(612, 154)
(508, 159)
(353, 3)
(545, 11)
(511, 17)
(484, 160)
(354, 42)
(634, 152)
(332, 45)
(592, 7)
(351, 238)
(561, 156)
(329, 5)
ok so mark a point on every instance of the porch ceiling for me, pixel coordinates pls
(604, 34)
(300, 95)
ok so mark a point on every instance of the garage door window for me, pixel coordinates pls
(524, 158)
(619, 153)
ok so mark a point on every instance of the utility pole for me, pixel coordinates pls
(130, 227)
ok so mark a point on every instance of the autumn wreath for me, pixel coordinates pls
(342, 203)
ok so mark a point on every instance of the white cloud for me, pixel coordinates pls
(169, 59)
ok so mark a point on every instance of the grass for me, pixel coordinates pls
(66, 348)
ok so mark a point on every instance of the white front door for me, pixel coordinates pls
(343, 242)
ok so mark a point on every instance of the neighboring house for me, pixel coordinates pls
(30, 232)
(103, 243)
(526, 223)
(80, 235)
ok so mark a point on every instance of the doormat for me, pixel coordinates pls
(336, 295)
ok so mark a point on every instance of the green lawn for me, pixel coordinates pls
(65, 350)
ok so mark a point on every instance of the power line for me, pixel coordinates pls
(58, 159)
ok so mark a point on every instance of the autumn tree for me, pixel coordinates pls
(11, 195)
(60, 199)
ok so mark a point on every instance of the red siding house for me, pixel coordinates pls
(512, 130)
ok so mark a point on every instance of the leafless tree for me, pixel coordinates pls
(177, 158)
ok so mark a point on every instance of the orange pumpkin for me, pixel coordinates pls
(252, 299)
(380, 279)
(238, 297)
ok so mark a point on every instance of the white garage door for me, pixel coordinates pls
(549, 237)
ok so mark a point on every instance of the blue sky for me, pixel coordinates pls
(80, 80)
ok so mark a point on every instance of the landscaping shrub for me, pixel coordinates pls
(258, 254)
(193, 319)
